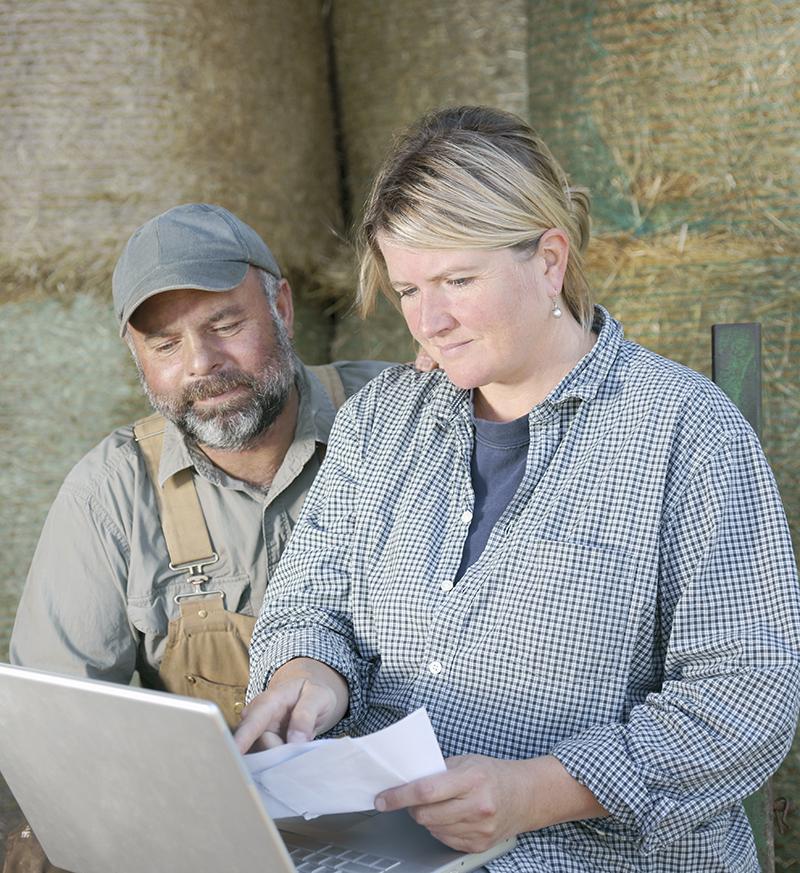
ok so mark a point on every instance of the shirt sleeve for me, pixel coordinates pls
(726, 711)
(356, 374)
(309, 614)
(72, 617)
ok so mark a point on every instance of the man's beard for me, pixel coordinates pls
(235, 424)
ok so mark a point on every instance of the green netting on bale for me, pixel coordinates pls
(681, 119)
(672, 112)
(63, 392)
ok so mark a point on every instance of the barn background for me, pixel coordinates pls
(680, 117)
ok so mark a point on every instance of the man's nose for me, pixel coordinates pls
(201, 357)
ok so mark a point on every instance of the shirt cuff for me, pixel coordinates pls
(313, 642)
(598, 760)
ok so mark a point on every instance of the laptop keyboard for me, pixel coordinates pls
(315, 856)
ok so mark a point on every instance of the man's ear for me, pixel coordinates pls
(285, 306)
(554, 249)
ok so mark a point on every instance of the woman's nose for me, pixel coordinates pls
(432, 314)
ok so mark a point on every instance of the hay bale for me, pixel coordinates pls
(114, 111)
(394, 61)
(672, 112)
(680, 117)
(669, 290)
(55, 408)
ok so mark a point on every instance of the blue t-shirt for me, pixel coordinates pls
(498, 464)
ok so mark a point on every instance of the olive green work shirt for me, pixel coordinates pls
(100, 592)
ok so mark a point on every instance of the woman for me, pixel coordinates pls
(569, 550)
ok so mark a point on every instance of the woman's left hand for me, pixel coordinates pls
(469, 807)
(480, 801)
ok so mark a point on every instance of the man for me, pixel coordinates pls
(208, 318)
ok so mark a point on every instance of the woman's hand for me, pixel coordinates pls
(304, 698)
(481, 801)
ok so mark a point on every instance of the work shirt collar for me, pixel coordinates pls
(581, 383)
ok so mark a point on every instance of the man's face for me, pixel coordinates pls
(216, 363)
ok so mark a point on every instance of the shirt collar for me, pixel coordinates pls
(587, 376)
(582, 382)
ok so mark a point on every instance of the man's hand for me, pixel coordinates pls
(425, 363)
(304, 698)
(481, 801)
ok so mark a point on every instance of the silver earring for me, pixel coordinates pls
(556, 313)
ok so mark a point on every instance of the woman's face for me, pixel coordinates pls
(483, 315)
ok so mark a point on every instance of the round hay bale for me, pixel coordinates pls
(115, 111)
(672, 112)
(668, 292)
(680, 117)
(394, 61)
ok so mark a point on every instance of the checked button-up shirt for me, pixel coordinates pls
(635, 612)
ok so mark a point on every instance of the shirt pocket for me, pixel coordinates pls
(567, 614)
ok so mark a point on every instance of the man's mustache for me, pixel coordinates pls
(211, 386)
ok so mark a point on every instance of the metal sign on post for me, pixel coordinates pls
(736, 367)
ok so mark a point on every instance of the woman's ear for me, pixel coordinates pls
(554, 249)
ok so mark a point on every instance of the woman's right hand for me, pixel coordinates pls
(304, 698)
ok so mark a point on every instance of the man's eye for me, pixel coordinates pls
(460, 283)
(164, 348)
(225, 328)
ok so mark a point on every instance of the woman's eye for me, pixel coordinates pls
(460, 283)
(407, 292)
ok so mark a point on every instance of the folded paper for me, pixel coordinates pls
(346, 774)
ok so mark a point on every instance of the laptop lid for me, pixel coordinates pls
(112, 777)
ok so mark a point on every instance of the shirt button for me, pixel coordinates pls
(435, 667)
(466, 517)
(447, 585)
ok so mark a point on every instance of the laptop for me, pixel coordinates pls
(116, 779)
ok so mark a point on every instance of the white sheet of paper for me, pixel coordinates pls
(409, 747)
(345, 775)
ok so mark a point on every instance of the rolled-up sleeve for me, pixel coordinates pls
(725, 715)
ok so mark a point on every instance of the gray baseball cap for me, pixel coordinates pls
(190, 246)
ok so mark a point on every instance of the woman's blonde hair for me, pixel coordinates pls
(472, 177)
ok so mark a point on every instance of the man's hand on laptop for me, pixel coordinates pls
(305, 698)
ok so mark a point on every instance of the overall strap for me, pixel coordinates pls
(331, 382)
(182, 518)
